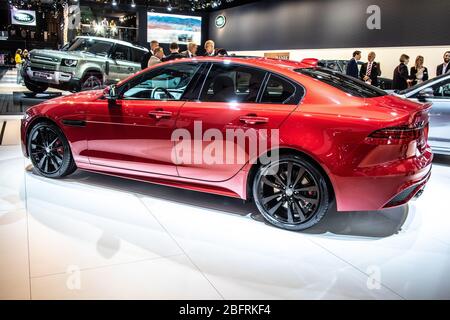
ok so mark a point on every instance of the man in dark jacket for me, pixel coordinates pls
(174, 53)
(352, 67)
(153, 45)
(370, 71)
(444, 67)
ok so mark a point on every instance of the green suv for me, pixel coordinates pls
(86, 63)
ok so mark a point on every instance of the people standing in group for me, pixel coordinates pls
(18, 61)
(191, 51)
(145, 59)
(210, 48)
(419, 73)
(370, 71)
(401, 78)
(352, 66)
(158, 55)
(444, 67)
(174, 52)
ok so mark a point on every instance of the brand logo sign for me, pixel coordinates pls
(23, 17)
(220, 21)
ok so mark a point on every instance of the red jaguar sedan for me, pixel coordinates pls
(329, 137)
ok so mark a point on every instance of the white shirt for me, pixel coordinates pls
(444, 67)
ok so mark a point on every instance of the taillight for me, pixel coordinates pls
(396, 135)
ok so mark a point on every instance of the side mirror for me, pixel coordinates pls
(425, 94)
(110, 94)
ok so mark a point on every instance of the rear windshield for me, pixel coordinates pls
(350, 85)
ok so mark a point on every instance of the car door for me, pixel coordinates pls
(134, 133)
(439, 133)
(235, 100)
(122, 65)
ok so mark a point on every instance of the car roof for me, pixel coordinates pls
(128, 44)
(256, 61)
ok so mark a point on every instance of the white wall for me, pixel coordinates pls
(388, 57)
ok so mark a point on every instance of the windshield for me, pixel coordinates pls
(350, 85)
(423, 84)
(91, 46)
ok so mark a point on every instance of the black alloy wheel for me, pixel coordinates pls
(49, 151)
(291, 193)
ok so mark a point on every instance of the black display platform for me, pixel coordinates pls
(19, 102)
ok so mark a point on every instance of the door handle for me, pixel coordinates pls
(253, 119)
(160, 114)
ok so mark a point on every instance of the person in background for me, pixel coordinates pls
(419, 73)
(25, 56)
(18, 60)
(145, 59)
(401, 75)
(210, 48)
(156, 57)
(174, 52)
(370, 71)
(352, 67)
(191, 50)
(444, 67)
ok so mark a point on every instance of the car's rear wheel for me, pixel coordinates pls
(91, 81)
(35, 87)
(49, 151)
(291, 193)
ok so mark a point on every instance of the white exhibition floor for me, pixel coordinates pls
(92, 236)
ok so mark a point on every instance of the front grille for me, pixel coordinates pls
(42, 69)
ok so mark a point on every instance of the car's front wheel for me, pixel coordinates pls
(49, 151)
(35, 87)
(291, 193)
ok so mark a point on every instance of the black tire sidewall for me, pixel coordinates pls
(324, 202)
(35, 87)
(67, 165)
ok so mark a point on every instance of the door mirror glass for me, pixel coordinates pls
(110, 92)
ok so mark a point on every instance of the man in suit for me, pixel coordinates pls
(352, 67)
(210, 48)
(370, 71)
(174, 52)
(156, 57)
(444, 67)
(153, 45)
(191, 50)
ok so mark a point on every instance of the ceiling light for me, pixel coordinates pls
(133, 4)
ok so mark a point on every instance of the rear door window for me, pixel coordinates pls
(278, 90)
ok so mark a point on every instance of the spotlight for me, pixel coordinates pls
(114, 3)
(169, 8)
(133, 4)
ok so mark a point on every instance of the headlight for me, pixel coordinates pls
(69, 62)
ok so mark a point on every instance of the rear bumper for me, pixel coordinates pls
(386, 186)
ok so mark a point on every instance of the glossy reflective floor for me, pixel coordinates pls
(92, 236)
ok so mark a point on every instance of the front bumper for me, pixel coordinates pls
(50, 77)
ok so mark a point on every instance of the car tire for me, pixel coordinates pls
(91, 81)
(34, 86)
(291, 193)
(49, 151)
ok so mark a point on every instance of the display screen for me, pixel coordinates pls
(167, 28)
(23, 17)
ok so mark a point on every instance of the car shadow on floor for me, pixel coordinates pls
(373, 224)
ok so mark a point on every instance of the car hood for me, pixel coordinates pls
(58, 55)
(79, 97)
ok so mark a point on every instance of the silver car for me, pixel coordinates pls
(436, 91)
